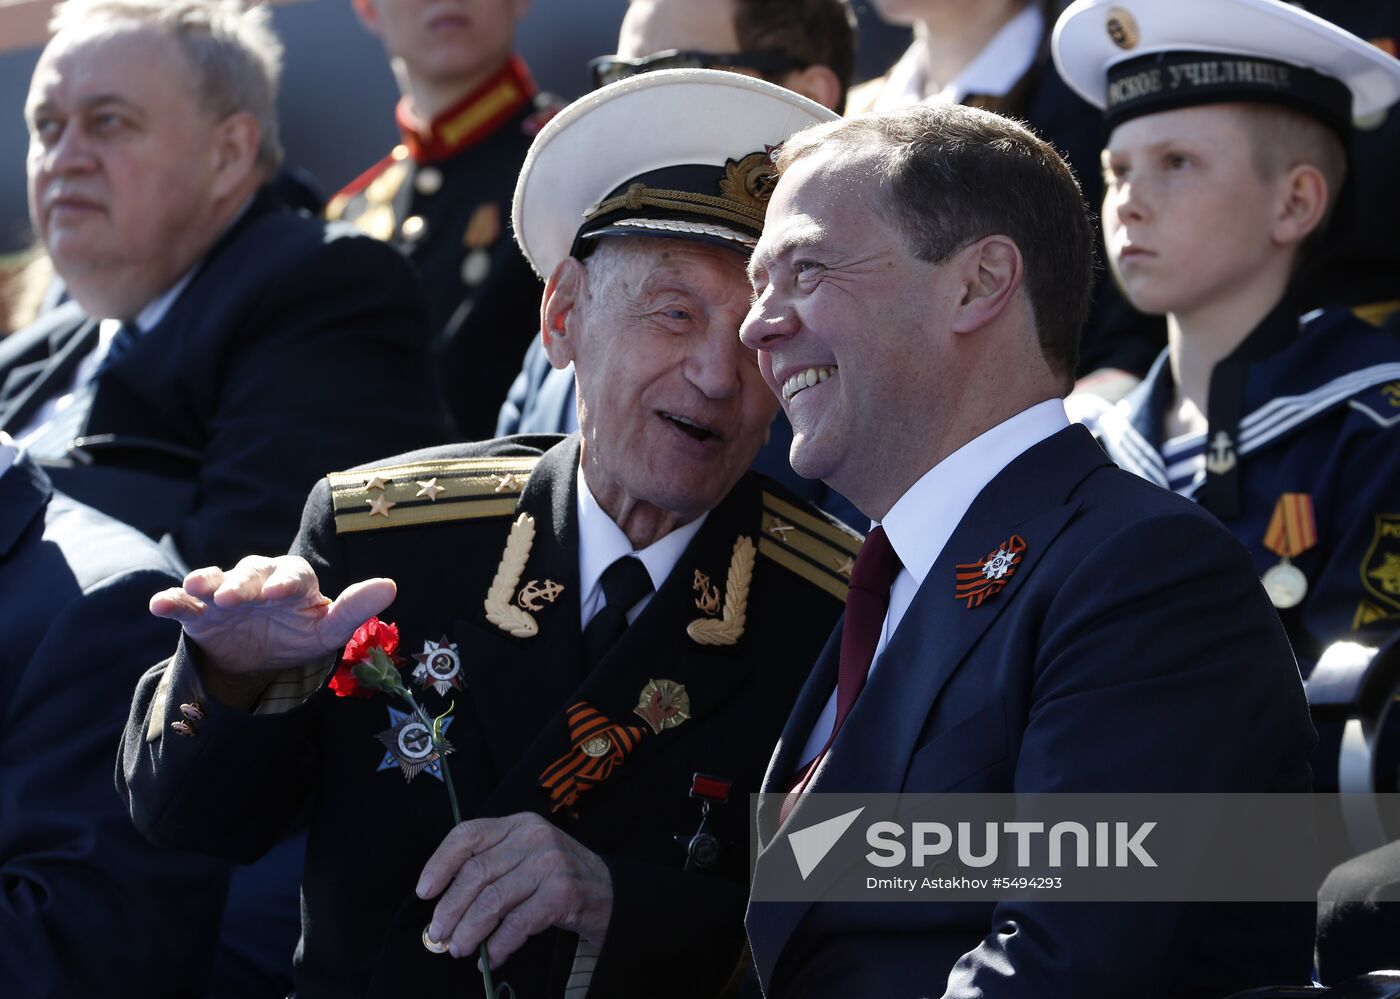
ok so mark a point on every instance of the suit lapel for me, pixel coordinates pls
(1031, 497)
(782, 767)
(27, 386)
(519, 683)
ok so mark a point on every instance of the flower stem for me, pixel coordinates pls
(422, 715)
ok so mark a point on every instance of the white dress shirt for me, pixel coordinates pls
(601, 543)
(992, 72)
(924, 518)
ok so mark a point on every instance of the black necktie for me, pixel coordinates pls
(624, 583)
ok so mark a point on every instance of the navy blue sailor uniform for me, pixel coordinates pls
(1319, 415)
(443, 197)
(701, 682)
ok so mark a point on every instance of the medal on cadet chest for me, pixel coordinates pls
(482, 231)
(1292, 531)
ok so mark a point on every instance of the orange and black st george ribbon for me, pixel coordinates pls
(599, 745)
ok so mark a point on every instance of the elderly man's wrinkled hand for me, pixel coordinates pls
(507, 879)
(267, 613)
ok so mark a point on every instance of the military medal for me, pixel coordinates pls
(482, 231)
(598, 746)
(663, 704)
(703, 849)
(1292, 531)
(439, 666)
(976, 581)
(410, 746)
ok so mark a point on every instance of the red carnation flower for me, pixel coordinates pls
(373, 634)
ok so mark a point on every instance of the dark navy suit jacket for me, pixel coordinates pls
(297, 347)
(87, 906)
(1132, 650)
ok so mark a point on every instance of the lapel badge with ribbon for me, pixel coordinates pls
(729, 627)
(976, 581)
(515, 615)
(598, 745)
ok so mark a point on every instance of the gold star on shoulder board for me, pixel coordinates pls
(506, 483)
(377, 483)
(846, 567)
(379, 506)
(430, 489)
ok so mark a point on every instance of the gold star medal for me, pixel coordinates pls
(482, 232)
(1292, 531)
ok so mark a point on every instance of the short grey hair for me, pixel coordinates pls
(230, 45)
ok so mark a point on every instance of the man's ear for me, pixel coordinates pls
(1303, 199)
(991, 270)
(368, 14)
(818, 82)
(235, 150)
(558, 323)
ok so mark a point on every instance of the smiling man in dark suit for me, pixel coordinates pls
(197, 297)
(609, 614)
(1029, 618)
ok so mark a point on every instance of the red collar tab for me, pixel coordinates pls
(472, 118)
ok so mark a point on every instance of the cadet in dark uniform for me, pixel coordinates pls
(87, 906)
(576, 737)
(467, 116)
(1221, 171)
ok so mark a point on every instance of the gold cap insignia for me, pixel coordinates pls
(749, 181)
(1123, 28)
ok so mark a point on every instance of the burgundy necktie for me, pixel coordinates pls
(867, 603)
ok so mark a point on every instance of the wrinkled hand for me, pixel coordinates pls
(266, 614)
(511, 878)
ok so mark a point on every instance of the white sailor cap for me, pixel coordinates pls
(1136, 57)
(684, 153)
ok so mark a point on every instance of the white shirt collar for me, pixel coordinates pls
(992, 72)
(921, 521)
(601, 543)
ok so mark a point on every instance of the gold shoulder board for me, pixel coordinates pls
(427, 492)
(806, 541)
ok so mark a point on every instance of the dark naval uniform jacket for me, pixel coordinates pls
(1104, 665)
(242, 778)
(1320, 416)
(88, 907)
(295, 345)
(443, 198)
